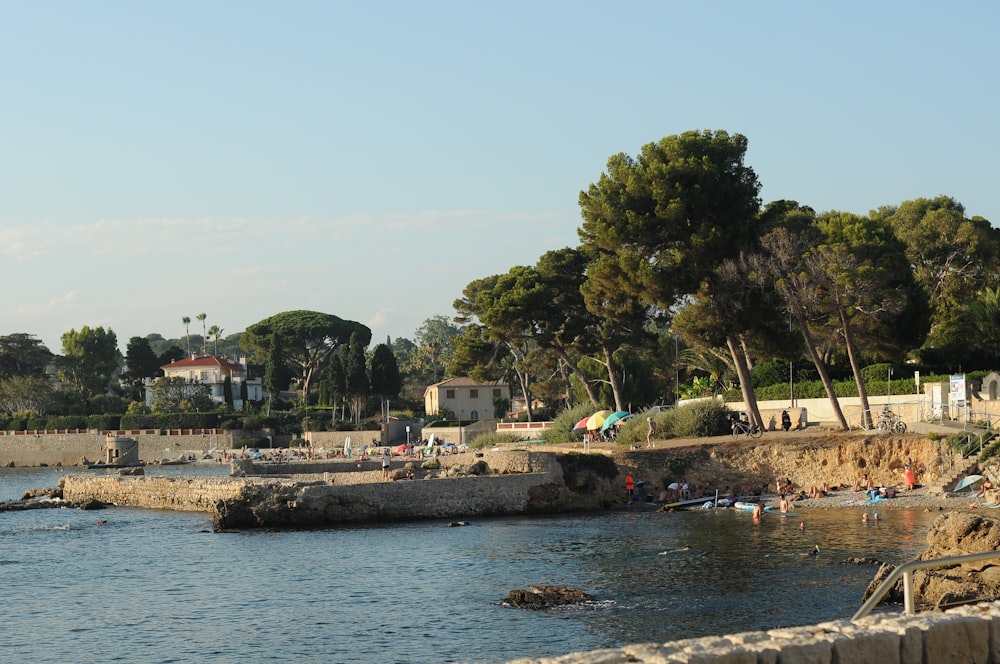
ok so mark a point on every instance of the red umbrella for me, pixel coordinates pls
(582, 424)
(400, 449)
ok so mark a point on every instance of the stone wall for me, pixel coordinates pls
(334, 440)
(501, 463)
(31, 449)
(969, 634)
(186, 494)
(520, 483)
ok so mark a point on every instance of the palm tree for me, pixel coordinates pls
(216, 332)
(187, 333)
(204, 334)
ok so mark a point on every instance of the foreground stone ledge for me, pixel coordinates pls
(966, 635)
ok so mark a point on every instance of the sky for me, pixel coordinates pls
(371, 159)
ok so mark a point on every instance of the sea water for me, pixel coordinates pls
(151, 586)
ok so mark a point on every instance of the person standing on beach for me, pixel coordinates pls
(386, 462)
(629, 488)
(650, 431)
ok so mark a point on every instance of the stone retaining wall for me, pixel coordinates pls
(967, 635)
(69, 449)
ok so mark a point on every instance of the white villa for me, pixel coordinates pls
(464, 398)
(212, 371)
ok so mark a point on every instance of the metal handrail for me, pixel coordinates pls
(906, 571)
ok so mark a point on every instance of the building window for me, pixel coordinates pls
(449, 394)
(474, 394)
(474, 415)
(496, 392)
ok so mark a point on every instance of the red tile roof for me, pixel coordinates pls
(204, 361)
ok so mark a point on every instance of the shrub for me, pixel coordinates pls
(692, 420)
(495, 438)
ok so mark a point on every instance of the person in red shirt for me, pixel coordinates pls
(629, 488)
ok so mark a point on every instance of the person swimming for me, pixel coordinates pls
(680, 550)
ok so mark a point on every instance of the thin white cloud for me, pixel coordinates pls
(52, 306)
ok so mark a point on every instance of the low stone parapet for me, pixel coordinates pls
(968, 634)
(187, 494)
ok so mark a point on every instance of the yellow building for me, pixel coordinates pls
(464, 399)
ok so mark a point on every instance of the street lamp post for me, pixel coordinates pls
(890, 384)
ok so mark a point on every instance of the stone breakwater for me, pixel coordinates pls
(185, 494)
(530, 482)
(968, 634)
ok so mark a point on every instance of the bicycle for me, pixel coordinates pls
(889, 422)
(747, 429)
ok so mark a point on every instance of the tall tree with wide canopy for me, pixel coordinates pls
(982, 316)
(661, 222)
(720, 318)
(658, 225)
(951, 256)
(434, 346)
(140, 363)
(539, 305)
(90, 358)
(25, 394)
(23, 355)
(869, 287)
(781, 266)
(487, 336)
(302, 339)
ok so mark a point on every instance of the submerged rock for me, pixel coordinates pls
(538, 598)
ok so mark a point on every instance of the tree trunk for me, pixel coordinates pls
(616, 385)
(573, 368)
(866, 412)
(746, 387)
(820, 368)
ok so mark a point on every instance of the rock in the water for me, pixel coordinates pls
(42, 493)
(953, 534)
(538, 598)
(92, 505)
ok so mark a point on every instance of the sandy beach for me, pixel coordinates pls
(918, 498)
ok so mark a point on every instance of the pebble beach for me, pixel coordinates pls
(918, 498)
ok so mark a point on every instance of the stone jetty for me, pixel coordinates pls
(518, 482)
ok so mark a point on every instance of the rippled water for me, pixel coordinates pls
(160, 587)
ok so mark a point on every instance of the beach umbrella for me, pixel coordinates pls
(581, 425)
(968, 481)
(597, 419)
(613, 418)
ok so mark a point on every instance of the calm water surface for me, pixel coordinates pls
(161, 587)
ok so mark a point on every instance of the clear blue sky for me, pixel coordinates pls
(370, 159)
